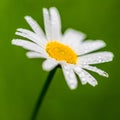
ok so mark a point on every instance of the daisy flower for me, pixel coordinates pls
(69, 50)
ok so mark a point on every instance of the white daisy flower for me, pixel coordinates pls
(68, 50)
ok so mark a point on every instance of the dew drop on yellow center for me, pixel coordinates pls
(61, 52)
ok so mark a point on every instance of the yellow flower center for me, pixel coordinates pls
(61, 52)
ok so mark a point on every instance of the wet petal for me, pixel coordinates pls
(97, 70)
(73, 39)
(55, 24)
(96, 58)
(28, 45)
(69, 76)
(49, 64)
(35, 55)
(86, 77)
(34, 25)
(89, 46)
(47, 24)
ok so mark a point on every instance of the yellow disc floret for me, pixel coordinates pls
(61, 52)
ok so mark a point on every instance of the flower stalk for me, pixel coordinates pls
(43, 93)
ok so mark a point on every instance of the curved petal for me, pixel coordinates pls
(35, 55)
(73, 38)
(49, 64)
(28, 45)
(95, 69)
(85, 77)
(81, 75)
(31, 36)
(69, 76)
(47, 24)
(89, 46)
(55, 24)
(35, 26)
(96, 58)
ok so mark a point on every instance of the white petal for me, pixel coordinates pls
(90, 46)
(49, 64)
(47, 24)
(55, 24)
(95, 69)
(28, 45)
(69, 76)
(35, 55)
(86, 77)
(31, 36)
(96, 58)
(81, 75)
(73, 38)
(35, 26)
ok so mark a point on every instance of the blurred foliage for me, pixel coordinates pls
(21, 79)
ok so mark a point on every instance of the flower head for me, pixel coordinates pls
(68, 50)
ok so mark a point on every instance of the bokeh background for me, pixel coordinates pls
(21, 79)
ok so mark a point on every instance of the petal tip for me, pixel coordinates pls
(27, 17)
(28, 55)
(103, 44)
(53, 9)
(105, 74)
(13, 42)
(73, 86)
(45, 11)
(95, 84)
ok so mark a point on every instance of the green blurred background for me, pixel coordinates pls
(21, 79)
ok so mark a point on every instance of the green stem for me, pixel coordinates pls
(43, 93)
